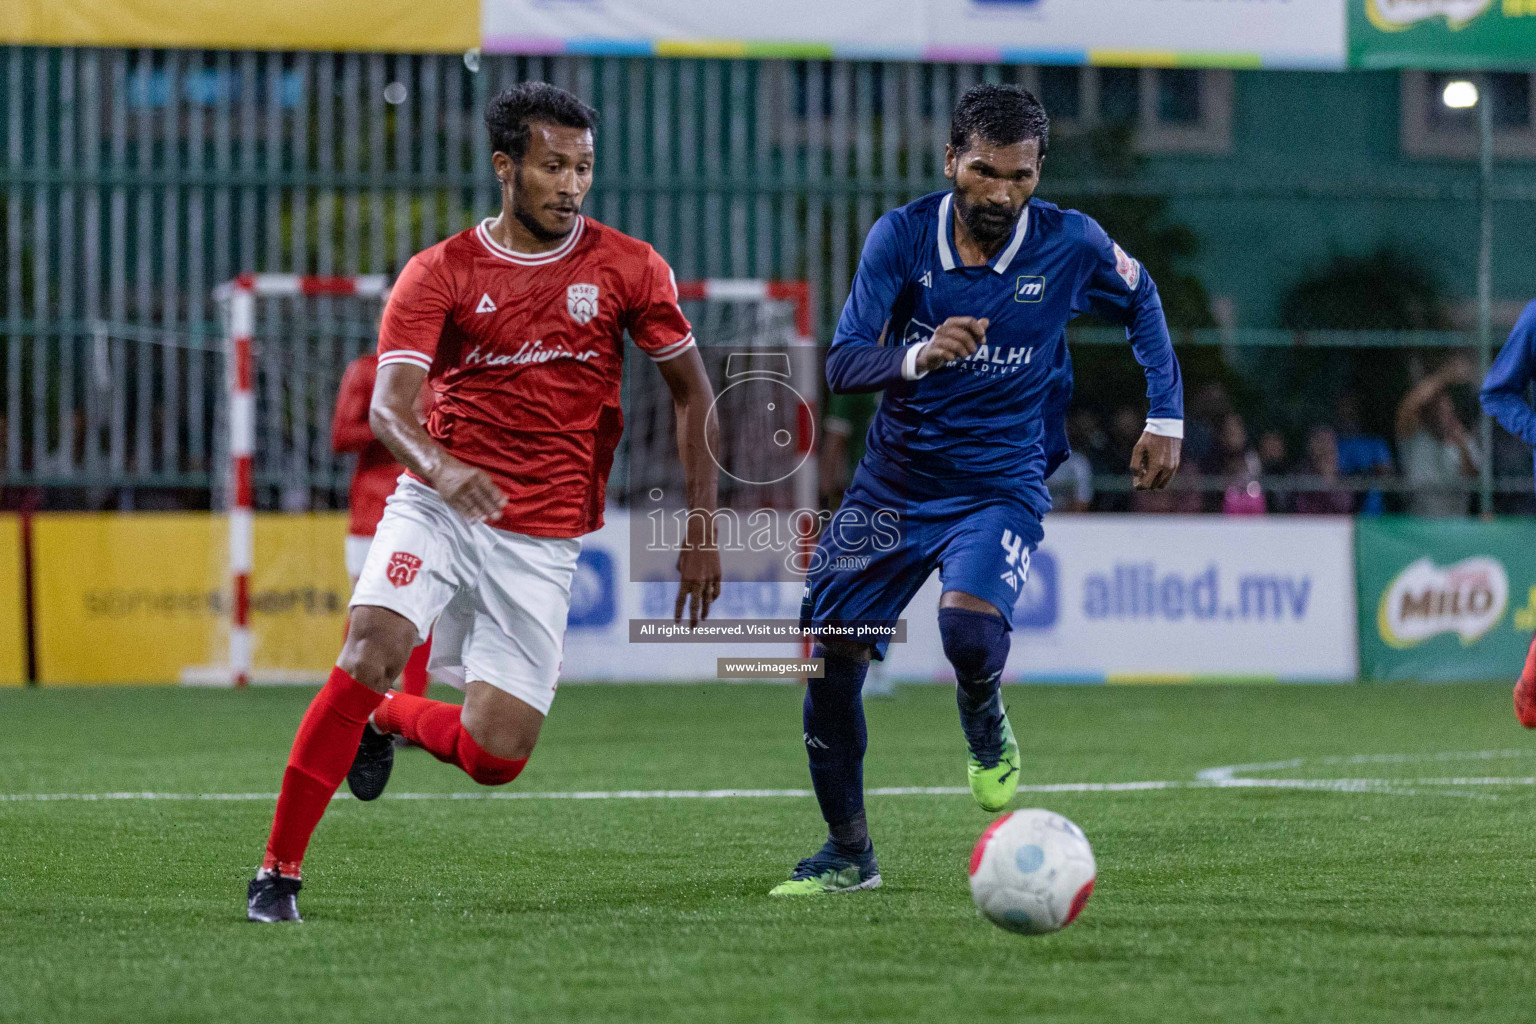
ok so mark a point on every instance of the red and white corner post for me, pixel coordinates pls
(242, 449)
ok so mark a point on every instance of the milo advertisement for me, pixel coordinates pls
(1450, 35)
(1445, 599)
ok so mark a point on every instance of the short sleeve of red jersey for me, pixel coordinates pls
(418, 307)
(656, 322)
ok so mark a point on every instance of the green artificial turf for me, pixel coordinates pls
(1415, 901)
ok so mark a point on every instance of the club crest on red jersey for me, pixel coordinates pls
(581, 302)
(402, 568)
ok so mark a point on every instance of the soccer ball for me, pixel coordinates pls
(1032, 872)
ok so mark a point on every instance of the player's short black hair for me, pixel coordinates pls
(511, 111)
(999, 114)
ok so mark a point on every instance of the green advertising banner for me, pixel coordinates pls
(1445, 599)
(1449, 35)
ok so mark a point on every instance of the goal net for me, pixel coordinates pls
(755, 340)
(288, 340)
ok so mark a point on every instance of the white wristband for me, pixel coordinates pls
(1166, 428)
(909, 362)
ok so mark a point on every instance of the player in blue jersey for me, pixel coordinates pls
(1504, 398)
(958, 313)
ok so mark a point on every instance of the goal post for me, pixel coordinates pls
(282, 338)
(240, 297)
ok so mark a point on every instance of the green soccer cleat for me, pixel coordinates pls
(994, 787)
(831, 870)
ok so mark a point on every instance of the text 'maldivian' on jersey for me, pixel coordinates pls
(525, 354)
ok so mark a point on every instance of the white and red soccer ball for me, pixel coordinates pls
(1032, 872)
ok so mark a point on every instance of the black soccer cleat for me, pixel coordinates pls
(370, 769)
(273, 898)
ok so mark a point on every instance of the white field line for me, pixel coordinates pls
(1231, 771)
(1448, 786)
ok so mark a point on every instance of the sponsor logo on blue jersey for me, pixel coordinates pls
(1029, 289)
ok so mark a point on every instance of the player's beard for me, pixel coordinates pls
(983, 222)
(525, 216)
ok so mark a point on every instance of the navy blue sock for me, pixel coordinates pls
(976, 644)
(835, 739)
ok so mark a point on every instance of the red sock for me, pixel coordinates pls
(413, 678)
(322, 752)
(435, 725)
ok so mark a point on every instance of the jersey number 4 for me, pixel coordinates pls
(1018, 560)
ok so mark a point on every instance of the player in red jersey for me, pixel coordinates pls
(519, 325)
(373, 481)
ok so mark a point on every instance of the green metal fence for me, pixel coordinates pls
(132, 182)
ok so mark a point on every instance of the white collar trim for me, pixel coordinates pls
(947, 256)
(529, 259)
(1019, 231)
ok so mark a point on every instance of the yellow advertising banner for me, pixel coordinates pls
(13, 653)
(144, 598)
(407, 26)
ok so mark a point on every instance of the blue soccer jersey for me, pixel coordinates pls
(1510, 378)
(991, 422)
(953, 476)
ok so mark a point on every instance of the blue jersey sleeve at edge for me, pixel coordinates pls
(1503, 392)
(1106, 293)
(857, 361)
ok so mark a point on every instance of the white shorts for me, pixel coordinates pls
(494, 602)
(357, 553)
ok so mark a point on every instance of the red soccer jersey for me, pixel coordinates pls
(526, 354)
(373, 479)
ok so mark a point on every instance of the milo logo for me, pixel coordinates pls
(1396, 15)
(1467, 599)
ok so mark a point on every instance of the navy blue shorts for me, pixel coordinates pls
(873, 558)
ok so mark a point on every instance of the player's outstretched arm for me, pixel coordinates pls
(395, 421)
(698, 432)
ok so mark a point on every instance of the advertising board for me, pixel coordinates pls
(1171, 599)
(1445, 599)
(1109, 599)
(13, 652)
(1211, 33)
(1452, 35)
(143, 598)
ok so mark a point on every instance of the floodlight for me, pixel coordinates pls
(1459, 95)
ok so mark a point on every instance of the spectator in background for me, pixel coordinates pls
(1274, 461)
(1124, 431)
(1323, 462)
(1202, 424)
(1071, 485)
(1361, 454)
(1239, 465)
(1438, 454)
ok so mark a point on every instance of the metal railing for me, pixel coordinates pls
(129, 416)
(132, 181)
